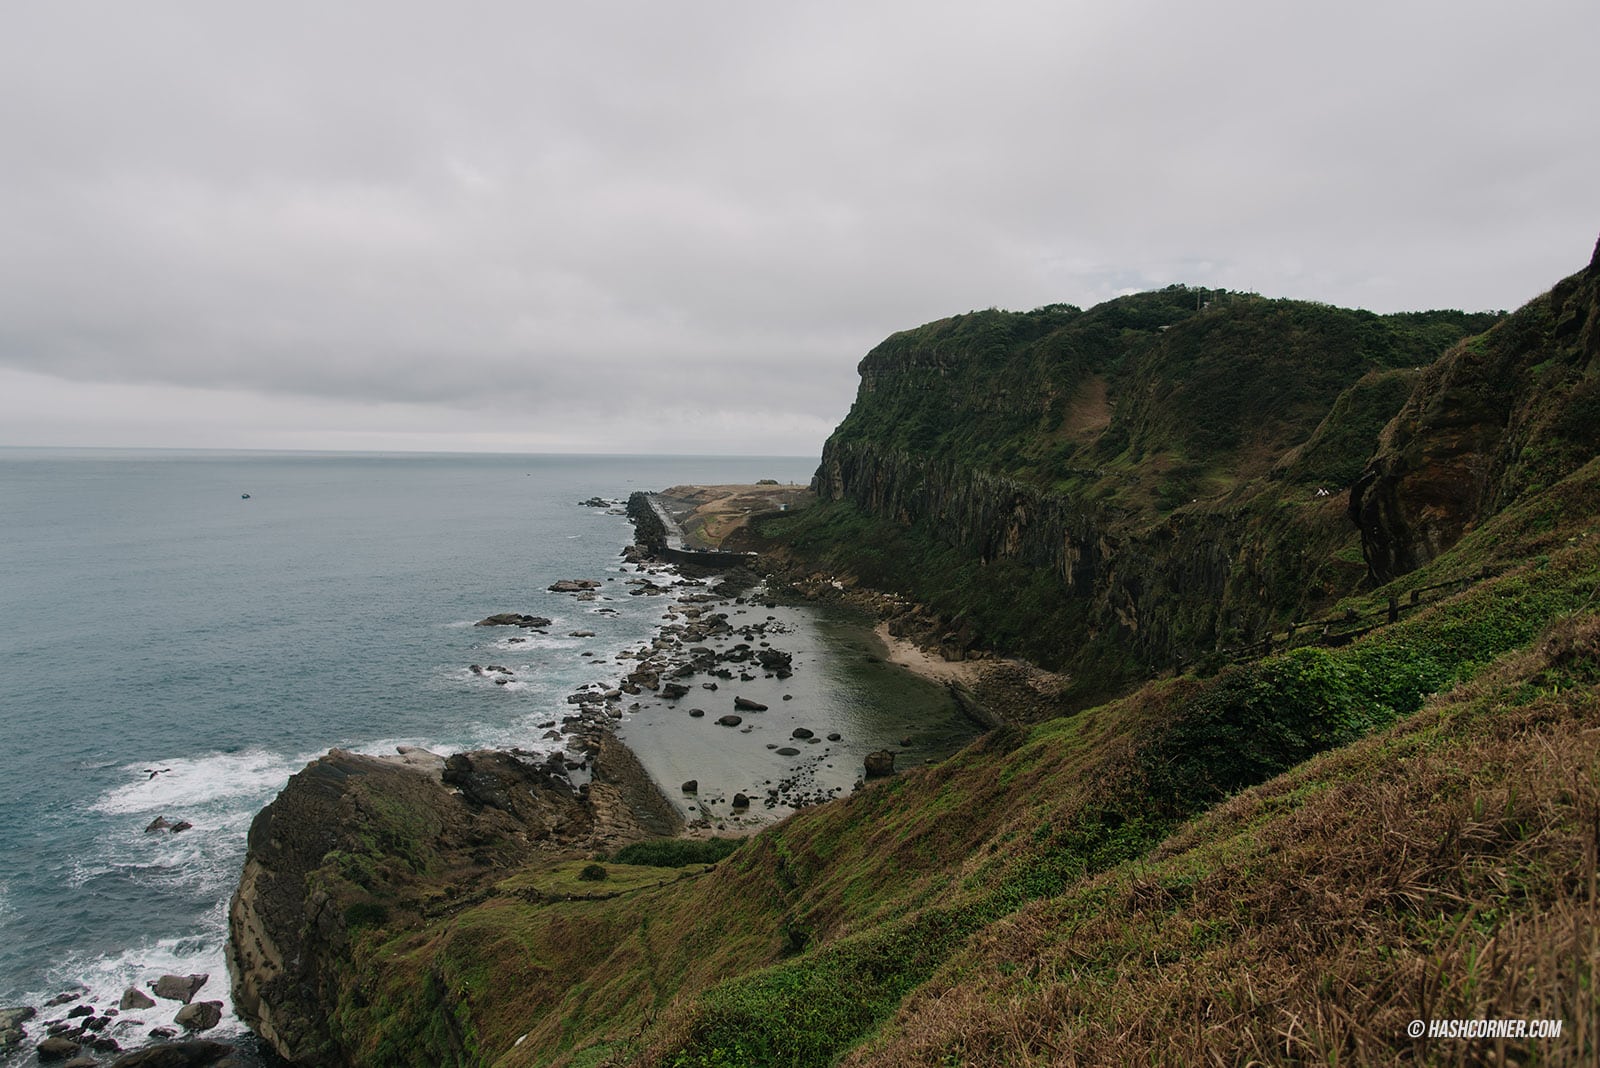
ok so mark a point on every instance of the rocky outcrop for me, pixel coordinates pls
(1497, 417)
(355, 843)
(355, 840)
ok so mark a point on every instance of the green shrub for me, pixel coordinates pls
(676, 852)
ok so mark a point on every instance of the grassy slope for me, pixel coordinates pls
(926, 919)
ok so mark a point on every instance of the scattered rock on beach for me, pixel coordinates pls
(692, 786)
(574, 586)
(744, 704)
(802, 732)
(730, 721)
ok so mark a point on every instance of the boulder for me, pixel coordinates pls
(199, 1015)
(696, 713)
(692, 786)
(512, 619)
(730, 721)
(573, 586)
(194, 1053)
(158, 824)
(674, 690)
(788, 750)
(880, 763)
(178, 987)
(134, 998)
(13, 1018)
(744, 704)
(56, 1048)
(802, 732)
(741, 801)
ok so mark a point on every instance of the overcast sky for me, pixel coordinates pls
(677, 226)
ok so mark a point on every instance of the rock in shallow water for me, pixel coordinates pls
(179, 987)
(199, 1016)
(56, 1048)
(134, 998)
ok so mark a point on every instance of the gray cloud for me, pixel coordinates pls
(379, 223)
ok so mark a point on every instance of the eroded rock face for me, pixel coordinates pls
(353, 840)
(1512, 411)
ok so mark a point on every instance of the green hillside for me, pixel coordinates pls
(1323, 763)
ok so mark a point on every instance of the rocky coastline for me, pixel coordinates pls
(354, 841)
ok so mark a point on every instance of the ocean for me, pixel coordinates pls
(172, 648)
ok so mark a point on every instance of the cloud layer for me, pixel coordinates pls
(677, 227)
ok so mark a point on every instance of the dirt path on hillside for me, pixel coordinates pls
(709, 514)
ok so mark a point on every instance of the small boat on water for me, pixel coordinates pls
(244, 496)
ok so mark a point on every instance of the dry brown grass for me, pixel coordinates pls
(1445, 869)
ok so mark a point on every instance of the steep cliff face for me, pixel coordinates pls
(1162, 456)
(1498, 417)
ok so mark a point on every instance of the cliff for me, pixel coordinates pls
(1137, 488)
(1502, 416)
(1384, 815)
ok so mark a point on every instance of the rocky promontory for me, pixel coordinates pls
(355, 841)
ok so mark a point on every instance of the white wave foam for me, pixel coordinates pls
(188, 783)
(535, 641)
(200, 951)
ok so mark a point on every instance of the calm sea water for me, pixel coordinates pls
(168, 648)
